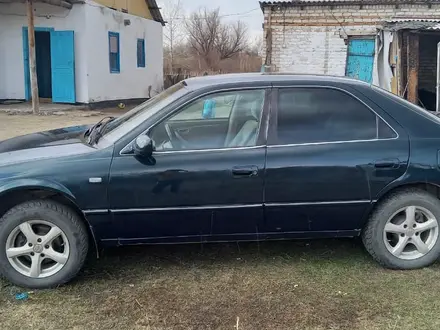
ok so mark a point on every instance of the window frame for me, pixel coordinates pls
(263, 128)
(272, 141)
(118, 54)
(142, 63)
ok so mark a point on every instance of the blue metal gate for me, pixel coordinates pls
(360, 59)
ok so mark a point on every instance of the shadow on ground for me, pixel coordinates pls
(215, 255)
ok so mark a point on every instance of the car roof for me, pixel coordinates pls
(266, 77)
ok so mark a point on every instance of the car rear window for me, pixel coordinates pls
(397, 99)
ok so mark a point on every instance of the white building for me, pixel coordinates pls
(86, 51)
(378, 41)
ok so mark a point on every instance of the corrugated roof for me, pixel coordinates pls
(155, 11)
(397, 20)
(412, 23)
(62, 3)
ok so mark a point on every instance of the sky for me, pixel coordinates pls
(247, 11)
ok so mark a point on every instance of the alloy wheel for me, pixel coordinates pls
(411, 233)
(37, 249)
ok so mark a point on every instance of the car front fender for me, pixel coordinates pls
(35, 183)
(46, 185)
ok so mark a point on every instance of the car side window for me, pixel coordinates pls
(216, 121)
(314, 115)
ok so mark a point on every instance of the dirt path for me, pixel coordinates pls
(13, 125)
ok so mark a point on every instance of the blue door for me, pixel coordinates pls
(63, 66)
(360, 59)
(27, 81)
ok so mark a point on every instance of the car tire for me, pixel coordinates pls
(392, 225)
(33, 233)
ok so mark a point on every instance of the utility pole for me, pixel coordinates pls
(32, 60)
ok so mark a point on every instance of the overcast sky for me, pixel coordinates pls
(245, 10)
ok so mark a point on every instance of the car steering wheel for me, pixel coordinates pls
(176, 140)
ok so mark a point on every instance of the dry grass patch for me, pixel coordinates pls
(285, 285)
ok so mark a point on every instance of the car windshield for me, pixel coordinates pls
(425, 113)
(122, 125)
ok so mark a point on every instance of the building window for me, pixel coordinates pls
(114, 52)
(141, 53)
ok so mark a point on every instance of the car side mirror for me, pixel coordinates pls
(143, 146)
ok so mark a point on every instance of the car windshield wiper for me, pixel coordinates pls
(93, 133)
(101, 129)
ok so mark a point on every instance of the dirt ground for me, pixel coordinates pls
(13, 125)
(331, 284)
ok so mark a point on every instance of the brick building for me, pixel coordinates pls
(391, 43)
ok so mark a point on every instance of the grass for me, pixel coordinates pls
(329, 284)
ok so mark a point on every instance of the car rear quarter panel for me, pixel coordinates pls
(424, 142)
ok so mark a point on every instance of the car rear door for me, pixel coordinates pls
(329, 151)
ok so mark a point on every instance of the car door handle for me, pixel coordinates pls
(387, 163)
(241, 171)
(183, 130)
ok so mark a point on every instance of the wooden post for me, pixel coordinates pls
(413, 68)
(268, 36)
(32, 60)
(394, 60)
(399, 69)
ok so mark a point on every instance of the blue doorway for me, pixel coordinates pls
(54, 53)
(42, 55)
(360, 59)
(44, 65)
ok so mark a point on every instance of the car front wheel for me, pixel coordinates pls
(403, 231)
(42, 244)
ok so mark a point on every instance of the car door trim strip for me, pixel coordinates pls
(215, 207)
(362, 201)
(179, 208)
(97, 211)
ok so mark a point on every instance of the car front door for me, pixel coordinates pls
(328, 150)
(204, 181)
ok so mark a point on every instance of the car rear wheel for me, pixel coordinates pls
(42, 244)
(403, 231)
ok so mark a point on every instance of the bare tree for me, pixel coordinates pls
(231, 40)
(203, 27)
(212, 40)
(173, 32)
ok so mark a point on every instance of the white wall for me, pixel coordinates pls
(309, 50)
(310, 39)
(131, 82)
(12, 20)
(91, 23)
